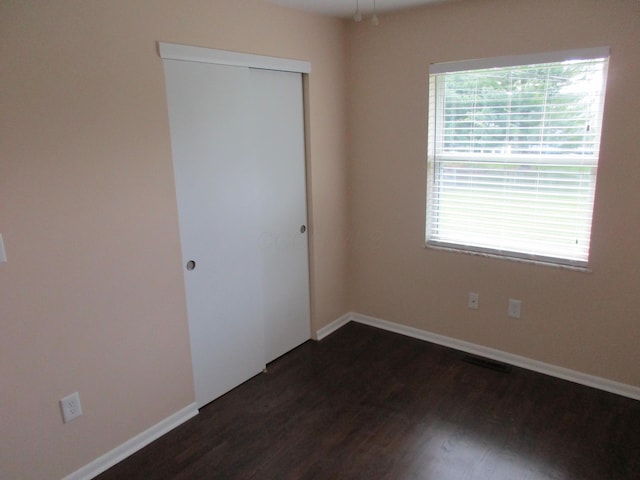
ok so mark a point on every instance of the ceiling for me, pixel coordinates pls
(346, 8)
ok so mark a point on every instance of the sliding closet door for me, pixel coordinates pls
(217, 189)
(278, 125)
(237, 135)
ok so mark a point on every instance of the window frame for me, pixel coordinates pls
(435, 138)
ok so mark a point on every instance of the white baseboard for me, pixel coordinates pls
(600, 383)
(134, 444)
(333, 326)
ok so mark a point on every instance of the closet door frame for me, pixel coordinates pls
(172, 51)
(168, 51)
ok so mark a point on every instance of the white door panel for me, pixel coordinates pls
(279, 139)
(237, 136)
(217, 187)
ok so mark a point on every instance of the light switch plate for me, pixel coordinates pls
(3, 254)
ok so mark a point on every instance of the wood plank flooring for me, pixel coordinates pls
(369, 404)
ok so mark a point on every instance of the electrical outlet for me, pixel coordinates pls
(71, 407)
(513, 310)
(474, 298)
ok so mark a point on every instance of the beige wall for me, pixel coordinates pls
(588, 322)
(92, 298)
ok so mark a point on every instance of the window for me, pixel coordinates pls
(513, 154)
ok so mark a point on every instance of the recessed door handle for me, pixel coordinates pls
(303, 228)
(191, 264)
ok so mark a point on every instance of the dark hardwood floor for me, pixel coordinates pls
(369, 404)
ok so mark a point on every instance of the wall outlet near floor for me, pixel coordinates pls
(513, 310)
(71, 407)
(474, 298)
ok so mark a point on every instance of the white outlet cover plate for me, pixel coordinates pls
(514, 308)
(474, 299)
(71, 407)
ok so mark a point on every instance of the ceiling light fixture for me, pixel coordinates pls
(374, 20)
(357, 16)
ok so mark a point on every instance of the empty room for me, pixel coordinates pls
(319, 239)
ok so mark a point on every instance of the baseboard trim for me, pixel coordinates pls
(134, 444)
(333, 326)
(600, 383)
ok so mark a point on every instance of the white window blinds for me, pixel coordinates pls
(513, 154)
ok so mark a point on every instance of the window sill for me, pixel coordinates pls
(475, 253)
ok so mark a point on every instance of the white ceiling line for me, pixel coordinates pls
(346, 8)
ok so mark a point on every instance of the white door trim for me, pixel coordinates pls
(173, 51)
